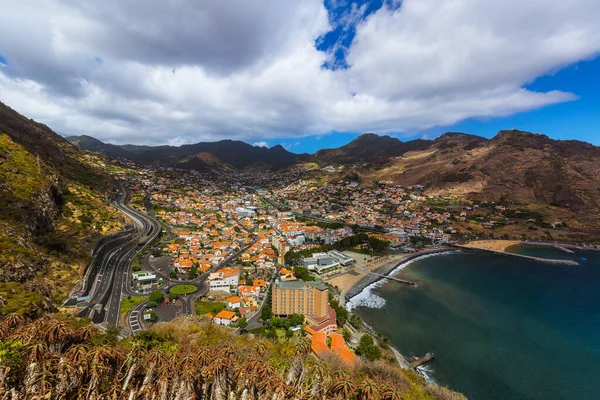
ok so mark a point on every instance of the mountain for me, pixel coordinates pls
(200, 156)
(50, 198)
(369, 148)
(556, 177)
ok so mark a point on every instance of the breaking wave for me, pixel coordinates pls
(427, 373)
(369, 299)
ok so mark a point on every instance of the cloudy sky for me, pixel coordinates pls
(307, 74)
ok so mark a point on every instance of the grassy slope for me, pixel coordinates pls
(41, 261)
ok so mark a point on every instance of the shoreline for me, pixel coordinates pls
(501, 247)
(386, 270)
(365, 282)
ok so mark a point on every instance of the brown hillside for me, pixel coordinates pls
(562, 178)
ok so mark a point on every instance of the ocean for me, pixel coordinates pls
(501, 327)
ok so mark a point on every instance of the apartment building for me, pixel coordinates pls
(296, 297)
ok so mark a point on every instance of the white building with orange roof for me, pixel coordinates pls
(224, 279)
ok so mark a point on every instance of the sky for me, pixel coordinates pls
(307, 74)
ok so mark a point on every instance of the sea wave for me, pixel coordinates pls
(369, 299)
(427, 371)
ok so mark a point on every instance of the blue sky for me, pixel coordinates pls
(308, 75)
(578, 119)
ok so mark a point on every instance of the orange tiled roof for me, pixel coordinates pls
(225, 314)
(234, 299)
(339, 347)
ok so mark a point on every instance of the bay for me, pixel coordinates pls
(501, 327)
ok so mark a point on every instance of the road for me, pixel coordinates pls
(108, 276)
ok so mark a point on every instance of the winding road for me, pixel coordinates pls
(108, 276)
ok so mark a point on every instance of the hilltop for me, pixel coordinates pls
(53, 208)
(199, 156)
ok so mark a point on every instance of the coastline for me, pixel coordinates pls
(366, 283)
(379, 274)
(387, 270)
(501, 247)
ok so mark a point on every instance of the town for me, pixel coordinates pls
(275, 254)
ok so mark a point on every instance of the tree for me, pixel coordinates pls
(368, 349)
(355, 321)
(303, 274)
(378, 245)
(266, 313)
(193, 271)
(173, 274)
(242, 323)
(341, 313)
(346, 334)
(296, 319)
(156, 297)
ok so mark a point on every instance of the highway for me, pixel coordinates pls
(108, 276)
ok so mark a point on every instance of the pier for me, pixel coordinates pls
(410, 283)
(415, 362)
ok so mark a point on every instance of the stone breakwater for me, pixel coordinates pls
(504, 253)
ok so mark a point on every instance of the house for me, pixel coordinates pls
(224, 279)
(258, 282)
(234, 302)
(225, 318)
(249, 291)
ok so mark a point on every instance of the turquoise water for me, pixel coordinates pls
(501, 327)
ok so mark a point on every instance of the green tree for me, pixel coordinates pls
(242, 323)
(303, 274)
(368, 349)
(266, 313)
(156, 297)
(346, 334)
(193, 271)
(296, 319)
(378, 245)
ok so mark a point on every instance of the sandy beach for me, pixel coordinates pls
(346, 280)
(355, 280)
(499, 246)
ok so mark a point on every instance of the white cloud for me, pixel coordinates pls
(187, 71)
(260, 144)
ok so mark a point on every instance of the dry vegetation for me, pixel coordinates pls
(68, 359)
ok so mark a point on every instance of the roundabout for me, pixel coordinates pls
(183, 289)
